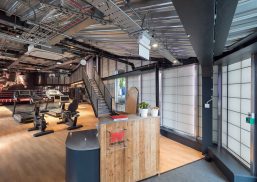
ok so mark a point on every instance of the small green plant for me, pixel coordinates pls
(143, 105)
(122, 82)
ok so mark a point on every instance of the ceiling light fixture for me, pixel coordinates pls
(83, 62)
(58, 63)
(4, 69)
(155, 45)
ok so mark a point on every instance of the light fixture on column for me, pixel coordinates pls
(83, 62)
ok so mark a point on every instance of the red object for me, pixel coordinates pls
(24, 99)
(119, 117)
(117, 137)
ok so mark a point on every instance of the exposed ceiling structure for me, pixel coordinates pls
(244, 22)
(186, 29)
(159, 17)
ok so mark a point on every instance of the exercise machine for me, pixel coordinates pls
(70, 116)
(23, 115)
(39, 118)
(56, 103)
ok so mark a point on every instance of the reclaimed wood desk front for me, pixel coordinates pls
(130, 149)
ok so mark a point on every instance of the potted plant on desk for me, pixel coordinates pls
(154, 111)
(143, 109)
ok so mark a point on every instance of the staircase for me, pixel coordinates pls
(99, 95)
(103, 108)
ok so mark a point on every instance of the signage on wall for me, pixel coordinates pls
(116, 139)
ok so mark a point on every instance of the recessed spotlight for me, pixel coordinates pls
(18, 36)
(188, 35)
(155, 45)
(70, 64)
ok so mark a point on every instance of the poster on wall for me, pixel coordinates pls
(14, 81)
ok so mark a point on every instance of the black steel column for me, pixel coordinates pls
(157, 79)
(254, 110)
(207, 86)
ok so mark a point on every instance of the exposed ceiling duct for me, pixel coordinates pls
(53, 53)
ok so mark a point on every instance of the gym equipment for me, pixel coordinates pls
(56, 112)
(39, 118)
(54, 93)
(70, 116)
(22, 116)
(58, 105)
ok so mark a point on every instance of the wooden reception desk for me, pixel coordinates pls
(129, 150)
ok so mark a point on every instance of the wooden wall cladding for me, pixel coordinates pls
(137, 157)
(76, 76)
(58, 80)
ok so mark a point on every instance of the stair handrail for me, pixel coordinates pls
(103, 89)
(92, 95)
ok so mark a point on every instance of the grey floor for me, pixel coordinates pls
(199, 171)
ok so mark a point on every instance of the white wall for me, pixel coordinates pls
(135, 81)
(180, 103)
(236, 104)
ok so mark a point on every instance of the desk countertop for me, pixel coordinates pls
(108, 120)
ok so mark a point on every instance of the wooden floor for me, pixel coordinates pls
(25, 158)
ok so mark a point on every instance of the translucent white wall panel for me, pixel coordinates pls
(215, 105)
(236, 102)
(224, 106)
(148, 88)
(105, 71)
(134, 81)
(121, 66)
(137, 63)
(179, 96)
(111, 87)
(146, 62)
(112, 67)
(199, 102)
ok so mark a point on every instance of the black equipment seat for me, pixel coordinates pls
(70, 116)
(72, 108)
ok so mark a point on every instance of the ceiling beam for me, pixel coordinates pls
(197, 17)
(225, 11)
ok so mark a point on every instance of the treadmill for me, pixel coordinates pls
(22, 115)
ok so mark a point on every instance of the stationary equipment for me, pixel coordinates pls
(23, 115)
(39, 118)
(70, 116)
(57, 104)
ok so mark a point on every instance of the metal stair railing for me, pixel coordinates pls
(103, 89)
(92, 95)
